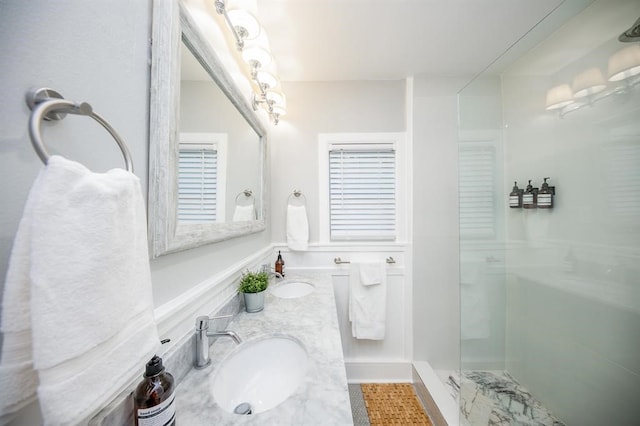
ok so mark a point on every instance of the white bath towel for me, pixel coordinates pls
(77, 310)
(368, 301)
(244, 213)
(297, 228)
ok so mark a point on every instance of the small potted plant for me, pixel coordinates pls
(252, 287)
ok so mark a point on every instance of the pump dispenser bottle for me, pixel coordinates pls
(530, 197)
(279, 266)
(154, 398)
(515, 197)
(545, 195)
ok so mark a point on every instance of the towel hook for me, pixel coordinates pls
(297, 194)
(48, 104)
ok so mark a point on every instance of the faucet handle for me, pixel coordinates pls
(202, 322)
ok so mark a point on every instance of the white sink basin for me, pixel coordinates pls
(292, 289)
(261, 373)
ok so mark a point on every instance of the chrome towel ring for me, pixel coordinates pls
(48, 104)
(296, 198)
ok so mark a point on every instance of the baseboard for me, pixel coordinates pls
(378, 372)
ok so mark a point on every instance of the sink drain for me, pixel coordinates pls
(243, 408)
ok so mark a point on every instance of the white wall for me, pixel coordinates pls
(342, 107)
(98, 52)
(435, 222)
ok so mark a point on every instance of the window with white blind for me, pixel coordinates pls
(622, 165)
(361, 188)
(201, 194)
(477, 191)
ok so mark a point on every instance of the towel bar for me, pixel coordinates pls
(48, 104)
(339, 261)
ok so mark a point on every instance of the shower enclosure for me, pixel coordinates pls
(550, 294)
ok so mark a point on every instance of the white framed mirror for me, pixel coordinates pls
(199, 121)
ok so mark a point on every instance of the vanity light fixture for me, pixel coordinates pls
(245, 26)
(272, 102)
(242, 24)
(257, 58)
(266, 80)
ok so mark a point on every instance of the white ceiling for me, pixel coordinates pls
(332, 40)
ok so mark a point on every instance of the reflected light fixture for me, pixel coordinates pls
(588, 83)
(624, 63)
(559, 97)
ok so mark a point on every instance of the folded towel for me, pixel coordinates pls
(367, 302)
(244, 213)
(372, 273)
(297, 228)
(77, 305)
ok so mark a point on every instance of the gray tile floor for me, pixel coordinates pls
(358, 408)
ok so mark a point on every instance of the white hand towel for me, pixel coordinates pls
(367, 302)
(297, 228)
(244, 213)
(372, 273)
(78, 290)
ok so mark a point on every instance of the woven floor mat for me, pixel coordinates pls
(393, 404)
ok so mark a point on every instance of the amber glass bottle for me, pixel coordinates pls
(279, 267)
(154, 399)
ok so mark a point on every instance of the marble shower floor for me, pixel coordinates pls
(496, 399)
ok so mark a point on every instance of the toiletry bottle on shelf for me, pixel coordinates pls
(529, 198)
(154, 397)
(279, 268)
(545, 195)
(515, 197)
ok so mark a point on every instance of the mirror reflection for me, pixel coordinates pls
(219, 155)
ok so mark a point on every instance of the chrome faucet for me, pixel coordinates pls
(202, 339)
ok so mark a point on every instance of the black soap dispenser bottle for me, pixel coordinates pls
(529, 198)
(545, 195)
(154, 397)
(515, 197)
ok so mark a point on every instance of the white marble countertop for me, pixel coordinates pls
(322, 398)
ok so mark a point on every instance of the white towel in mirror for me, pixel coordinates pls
(244, 213)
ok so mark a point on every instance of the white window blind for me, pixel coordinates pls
(477, 186)
(623, 174)
(362, 192)
(197, 184)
